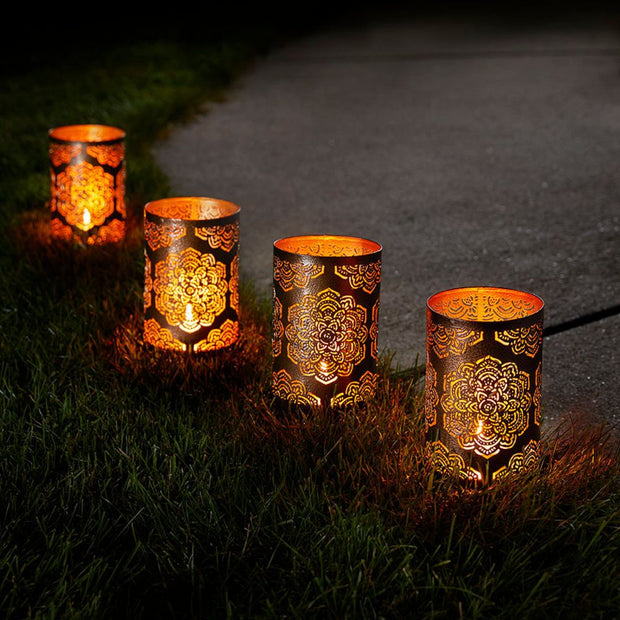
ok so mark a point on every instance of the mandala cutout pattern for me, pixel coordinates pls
(520, 461)
(486, 405)
(464, 307)
(162, 235)
(190, 209)
(485, 307)
(450, 463)
(290, 275)
(523, 340)
(190, 289)
(498, 307)
(88, 190)
(326, 335)
(446, 340)
(161, 337)
(111, 232)
(357, 391)
(82, 185)
(364, 276)
(224, 237)
(219, 338)
(106, 155)
(60, 230)
(287, 388)
(61, 154)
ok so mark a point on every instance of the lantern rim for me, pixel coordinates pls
(328, 246)
(200, 208)
(91, 133)
(438, 302)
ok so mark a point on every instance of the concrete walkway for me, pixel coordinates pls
(475, 150)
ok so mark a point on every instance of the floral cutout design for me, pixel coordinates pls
(87, 189)
(224, 237)
(357, 391)
(287, 388)
(219, 338)
(163, 235)
(522, 340)
(326, 335)
(190, 289)
(364, 276)
(290, 275)
(447, 340)
(85, 184)
(486, 405)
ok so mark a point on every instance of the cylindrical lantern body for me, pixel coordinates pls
(191, 288)
(325, 319)
(87, 183)
(483, 381)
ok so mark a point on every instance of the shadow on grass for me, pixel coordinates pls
(371, 454)
(249, 476)
(78, 265)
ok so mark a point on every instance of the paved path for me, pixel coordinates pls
(475, 151)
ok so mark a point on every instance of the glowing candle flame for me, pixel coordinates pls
(480, 427)
(86, 217)
(189, 315)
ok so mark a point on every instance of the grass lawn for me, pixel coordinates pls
(148, 485)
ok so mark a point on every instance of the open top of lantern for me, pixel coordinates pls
(327, 245)
(485, 303)
(192, 208)
(87, 133)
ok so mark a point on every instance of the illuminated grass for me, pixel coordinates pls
(143, 484)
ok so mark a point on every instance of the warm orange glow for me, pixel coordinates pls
(325, 319)
(485, 303)
(192, 208)
(483, 381)
(191, 273)
(189, 315)
(87, 133)
(327, 245)
(88, 183)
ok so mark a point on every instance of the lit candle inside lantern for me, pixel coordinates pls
(483, 381)
(87, 183)
(191, 288)
(325, 319)
(480, 427)
(189, 315)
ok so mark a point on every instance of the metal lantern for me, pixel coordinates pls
(483, 381)
(325, 319)
(191, 288)
(87, 183)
